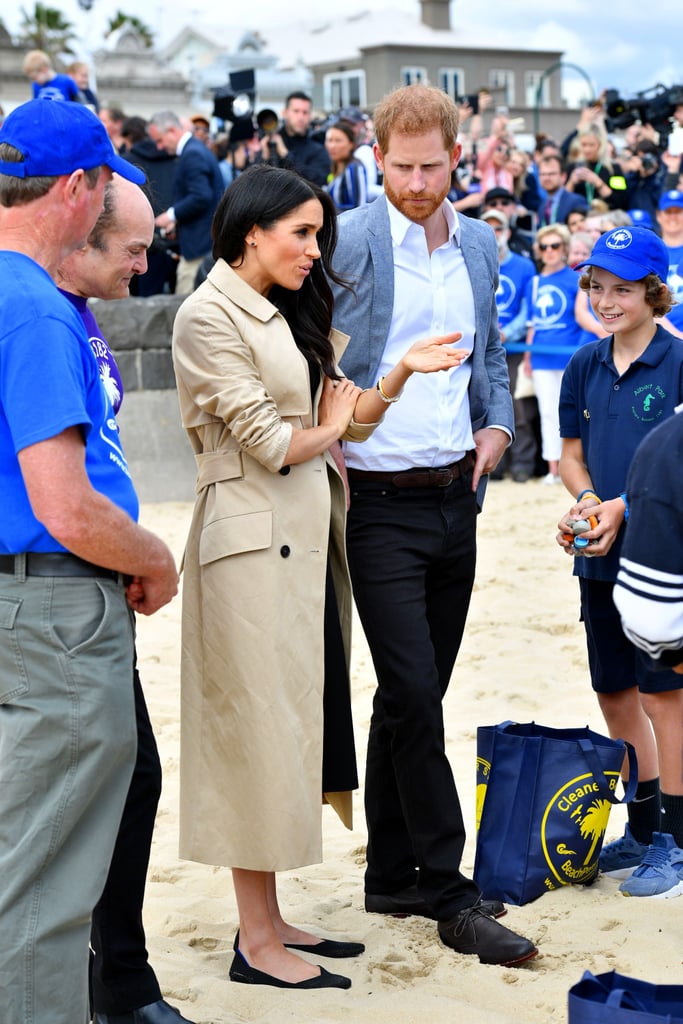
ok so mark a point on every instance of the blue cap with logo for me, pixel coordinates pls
(58, 137)
(674, 197)
(630, 253)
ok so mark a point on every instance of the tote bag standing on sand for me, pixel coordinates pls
(615, 999)
(543, 802)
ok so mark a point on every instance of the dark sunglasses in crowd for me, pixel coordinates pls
(494, 204)
(549, 245)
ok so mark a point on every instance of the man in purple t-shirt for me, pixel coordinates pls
(123, 985)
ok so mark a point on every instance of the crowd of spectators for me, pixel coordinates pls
(571, 190)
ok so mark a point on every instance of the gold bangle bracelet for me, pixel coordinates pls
(389, 399)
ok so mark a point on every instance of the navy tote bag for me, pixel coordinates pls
(613, 998)
(543, 802)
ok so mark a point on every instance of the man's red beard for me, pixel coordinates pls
(417, 211)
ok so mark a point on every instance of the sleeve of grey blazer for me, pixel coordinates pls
(364, 258)
(490, 399)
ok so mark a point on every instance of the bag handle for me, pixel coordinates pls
(595, 765)
(623, 999)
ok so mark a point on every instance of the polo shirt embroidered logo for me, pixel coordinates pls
(620, 239)
(648, 403)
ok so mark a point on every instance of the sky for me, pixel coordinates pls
(627, 45)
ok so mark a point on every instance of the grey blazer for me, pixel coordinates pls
(364, 257)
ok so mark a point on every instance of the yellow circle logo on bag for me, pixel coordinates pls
(579, 814)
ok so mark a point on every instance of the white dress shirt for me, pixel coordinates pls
(430, 425)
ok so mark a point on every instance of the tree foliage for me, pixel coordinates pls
(46, 28)
(144, 31)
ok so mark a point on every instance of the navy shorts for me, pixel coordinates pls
(615, 663)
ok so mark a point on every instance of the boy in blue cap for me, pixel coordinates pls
(614, 392)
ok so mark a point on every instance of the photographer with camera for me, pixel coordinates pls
(644, 175)
(291, 145)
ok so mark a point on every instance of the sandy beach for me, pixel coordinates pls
(523, 658)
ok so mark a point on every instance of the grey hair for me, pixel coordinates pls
(165, 119)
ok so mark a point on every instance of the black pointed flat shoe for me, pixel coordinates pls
(243, 972)
(329, 947)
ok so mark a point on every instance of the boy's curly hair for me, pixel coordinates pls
(657, 294)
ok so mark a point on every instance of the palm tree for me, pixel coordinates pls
(46, 28)
(594, 824)
(144, 31)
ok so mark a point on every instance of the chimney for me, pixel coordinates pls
(436, 14)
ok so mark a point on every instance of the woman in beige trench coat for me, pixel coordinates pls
(265, 572)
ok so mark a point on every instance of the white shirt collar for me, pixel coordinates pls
(182, 142)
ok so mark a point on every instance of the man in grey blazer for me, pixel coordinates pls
(416, 487)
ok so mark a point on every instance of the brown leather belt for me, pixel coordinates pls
(56, 563)
(441, 477)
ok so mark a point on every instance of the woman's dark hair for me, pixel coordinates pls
(262, 196)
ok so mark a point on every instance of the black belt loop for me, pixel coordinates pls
(418, 477)
(53, 563)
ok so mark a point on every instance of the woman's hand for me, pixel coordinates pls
(337, 403)
(431, 354)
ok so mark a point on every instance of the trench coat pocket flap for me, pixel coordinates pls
(212, 467)
(233, 535)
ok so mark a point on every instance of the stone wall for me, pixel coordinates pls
(158, 452)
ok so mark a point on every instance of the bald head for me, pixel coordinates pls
(117, 246)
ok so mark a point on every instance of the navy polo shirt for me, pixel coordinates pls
(611, 415)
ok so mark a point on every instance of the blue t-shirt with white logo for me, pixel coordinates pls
(675, 283)
(514, 274)
(49, 381)
(550, 299)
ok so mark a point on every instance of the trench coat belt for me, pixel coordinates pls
(441, 477)
(213, 467)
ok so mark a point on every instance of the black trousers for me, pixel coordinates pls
(121, 979)
(412, 555)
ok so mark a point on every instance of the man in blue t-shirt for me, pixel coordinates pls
(123, 986)
(73, 566)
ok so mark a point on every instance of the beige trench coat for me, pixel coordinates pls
(254, 586)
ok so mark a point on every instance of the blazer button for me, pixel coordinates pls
(284, 551)
(284, 471)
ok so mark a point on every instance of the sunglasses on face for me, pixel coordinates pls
(549, 245)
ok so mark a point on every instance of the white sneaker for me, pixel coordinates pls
(551, 478)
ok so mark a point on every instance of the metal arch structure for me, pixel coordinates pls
(546, 74)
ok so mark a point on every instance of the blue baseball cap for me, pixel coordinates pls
(674, 197)
(59, 137)
(640, 217)
(630, 253)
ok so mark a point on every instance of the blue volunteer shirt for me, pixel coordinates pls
(550, 299)
(49, 381)
(513, 276)
(675, 283)
(611, 415)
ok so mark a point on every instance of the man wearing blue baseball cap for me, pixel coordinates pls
(670, 220)
(74, 565)
(615, 391)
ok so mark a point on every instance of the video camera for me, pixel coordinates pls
(656, 109)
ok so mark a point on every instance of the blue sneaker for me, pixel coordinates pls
(619, 858)
(660, 874)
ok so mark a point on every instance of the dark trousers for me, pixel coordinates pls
(121, 979)
(412, 555)
(523, 454)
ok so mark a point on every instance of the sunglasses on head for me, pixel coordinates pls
(549, 245)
